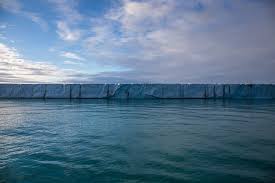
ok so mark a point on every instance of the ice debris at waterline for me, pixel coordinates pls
(139, 91)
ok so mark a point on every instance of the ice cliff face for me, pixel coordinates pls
(138, 91)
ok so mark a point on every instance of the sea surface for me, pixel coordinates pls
(137, 141)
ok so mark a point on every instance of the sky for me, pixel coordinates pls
(130, 41)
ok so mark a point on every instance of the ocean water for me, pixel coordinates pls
(137, 141)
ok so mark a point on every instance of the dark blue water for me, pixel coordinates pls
(137, 141)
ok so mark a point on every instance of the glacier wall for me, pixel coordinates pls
(138, 91)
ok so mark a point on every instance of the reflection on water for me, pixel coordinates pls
(137, 141)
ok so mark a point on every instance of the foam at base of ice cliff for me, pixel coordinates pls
(139, 91)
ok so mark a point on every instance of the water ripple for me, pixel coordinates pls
(137, 141)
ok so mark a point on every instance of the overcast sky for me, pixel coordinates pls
(146, 41)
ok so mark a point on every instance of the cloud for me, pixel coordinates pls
(136, 16)
(198, 41)
(66, 33)
(69, 62)
(67, 10)
(3, 26)
(71, 55)
(15, 7)
(15, 69)
(35, 18)
(11, 5)
(69, 17)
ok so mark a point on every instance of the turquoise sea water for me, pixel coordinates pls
(137, 141)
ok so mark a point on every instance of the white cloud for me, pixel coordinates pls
(69, 62)
(11, 5)
(71, 55)
(66, 33)
(69, 17)
(176, 41)
(15, 69)
(2, 36)
(15, 7)
(134, 14)
(67, 10)
(35, 18)
(3, 26)
(141, 16)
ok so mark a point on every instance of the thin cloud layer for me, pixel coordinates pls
(15, 69)
(15, 7)
(194, 41)
(71, 55)
(66, 33)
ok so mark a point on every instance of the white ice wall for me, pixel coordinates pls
(138, 91)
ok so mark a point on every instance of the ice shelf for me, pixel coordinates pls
(139, 91)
